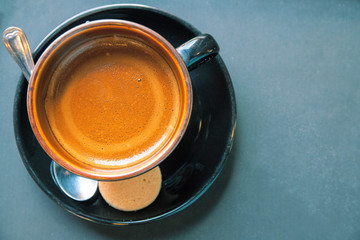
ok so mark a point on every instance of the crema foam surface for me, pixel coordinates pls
(114, 105)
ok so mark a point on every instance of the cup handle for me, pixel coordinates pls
(198, 50)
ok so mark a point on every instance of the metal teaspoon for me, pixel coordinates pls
(72, 185)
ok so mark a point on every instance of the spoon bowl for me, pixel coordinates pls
(74, 186)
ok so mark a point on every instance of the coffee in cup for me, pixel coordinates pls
(113, 104)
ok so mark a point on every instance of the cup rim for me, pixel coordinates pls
(86, 170)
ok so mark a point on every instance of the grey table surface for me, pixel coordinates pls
(294, 171)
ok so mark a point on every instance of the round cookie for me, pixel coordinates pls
(132, 194)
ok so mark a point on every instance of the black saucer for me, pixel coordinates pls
(190, 169)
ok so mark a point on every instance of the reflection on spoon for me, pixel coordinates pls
(74, 186)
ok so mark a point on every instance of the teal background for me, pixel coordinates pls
(294, 171)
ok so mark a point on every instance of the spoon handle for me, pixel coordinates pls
(17, 45)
